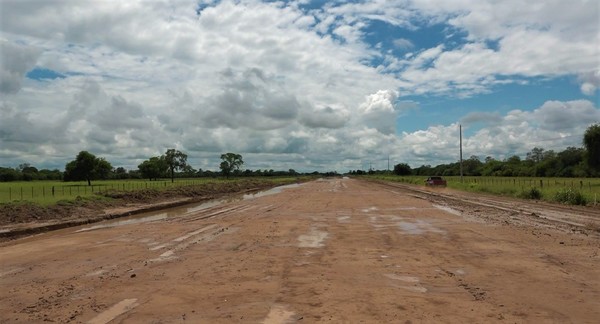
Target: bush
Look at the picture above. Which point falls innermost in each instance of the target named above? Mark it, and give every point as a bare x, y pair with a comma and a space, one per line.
570, 197
533, 193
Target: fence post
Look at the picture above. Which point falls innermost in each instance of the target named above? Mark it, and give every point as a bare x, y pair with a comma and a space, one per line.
52, 191
541, 183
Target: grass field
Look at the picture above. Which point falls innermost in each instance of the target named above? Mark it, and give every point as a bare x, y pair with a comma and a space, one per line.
549, 188
49, 192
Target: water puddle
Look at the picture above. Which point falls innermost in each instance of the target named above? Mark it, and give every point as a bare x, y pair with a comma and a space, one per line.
314, 239
370, 209
165, 256
418, 227
184, 210
413, 288
269, 192
413, 281
124, 222
96, 273
278, 315
402, 278
343, 219
196, 232
448, 210
183, 242
116, 310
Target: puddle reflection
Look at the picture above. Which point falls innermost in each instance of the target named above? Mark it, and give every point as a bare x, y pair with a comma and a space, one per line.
184, 210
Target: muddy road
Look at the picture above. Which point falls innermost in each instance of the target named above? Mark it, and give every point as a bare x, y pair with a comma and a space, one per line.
337, 250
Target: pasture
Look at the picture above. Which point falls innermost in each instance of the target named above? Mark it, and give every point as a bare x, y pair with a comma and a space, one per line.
548, 188
50, 192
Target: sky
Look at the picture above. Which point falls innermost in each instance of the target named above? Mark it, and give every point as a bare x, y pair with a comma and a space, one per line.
304, 85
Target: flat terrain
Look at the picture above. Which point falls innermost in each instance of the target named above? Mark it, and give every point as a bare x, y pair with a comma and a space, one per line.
337, 250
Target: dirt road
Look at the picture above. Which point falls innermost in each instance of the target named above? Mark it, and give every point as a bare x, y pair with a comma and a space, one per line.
338, 250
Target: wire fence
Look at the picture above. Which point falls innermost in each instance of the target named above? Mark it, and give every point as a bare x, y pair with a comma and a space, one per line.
40, 191
541, 183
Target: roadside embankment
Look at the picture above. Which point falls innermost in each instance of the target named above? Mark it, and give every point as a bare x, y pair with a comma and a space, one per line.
24, 218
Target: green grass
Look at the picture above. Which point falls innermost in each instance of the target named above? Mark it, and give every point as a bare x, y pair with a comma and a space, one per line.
550, 189
52, 192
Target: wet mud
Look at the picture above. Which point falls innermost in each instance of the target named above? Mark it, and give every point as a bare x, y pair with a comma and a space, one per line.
333, 250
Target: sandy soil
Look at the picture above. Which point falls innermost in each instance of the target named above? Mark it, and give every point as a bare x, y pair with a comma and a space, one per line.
338, 250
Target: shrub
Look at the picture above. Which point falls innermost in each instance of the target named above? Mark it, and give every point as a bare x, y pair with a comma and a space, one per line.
507, 191
533, 193
570, 196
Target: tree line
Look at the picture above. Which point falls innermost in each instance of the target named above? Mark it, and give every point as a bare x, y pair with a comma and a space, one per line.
538, 163
172, 164
576, 162
572, 162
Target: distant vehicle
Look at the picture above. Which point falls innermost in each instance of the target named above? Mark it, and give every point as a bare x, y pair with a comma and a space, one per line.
435, 181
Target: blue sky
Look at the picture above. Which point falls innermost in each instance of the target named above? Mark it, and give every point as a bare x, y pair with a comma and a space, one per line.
308, 85
501, 99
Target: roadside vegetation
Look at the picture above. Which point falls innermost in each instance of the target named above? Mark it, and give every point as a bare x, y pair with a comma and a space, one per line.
573, 191
90, 205
570, 177
51, 192
91, 178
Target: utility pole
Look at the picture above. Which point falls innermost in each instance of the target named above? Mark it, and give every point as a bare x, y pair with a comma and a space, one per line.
388, 162
461, 158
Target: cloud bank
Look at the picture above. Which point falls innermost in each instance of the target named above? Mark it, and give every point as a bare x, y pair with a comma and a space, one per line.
285, 84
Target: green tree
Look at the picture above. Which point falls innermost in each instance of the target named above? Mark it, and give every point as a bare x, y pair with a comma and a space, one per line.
9, 174
472, 166
153, 168
402, 169
45, 174
87, 166
28, 172
176, 160
231, 163
591, 141
536, 155
120, 173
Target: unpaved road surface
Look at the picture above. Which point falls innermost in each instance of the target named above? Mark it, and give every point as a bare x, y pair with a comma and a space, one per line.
338, 250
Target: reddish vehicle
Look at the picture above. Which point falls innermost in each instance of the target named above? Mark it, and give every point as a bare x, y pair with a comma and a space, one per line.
435, 181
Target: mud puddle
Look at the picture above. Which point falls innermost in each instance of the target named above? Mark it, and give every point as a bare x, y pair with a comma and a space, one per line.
314, 239
269, 192
113, 312
183, 210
